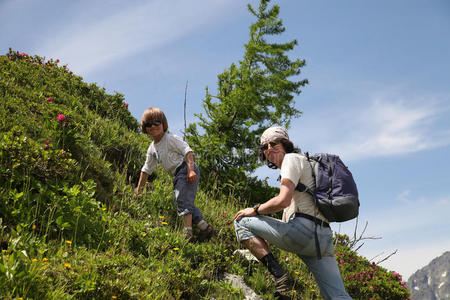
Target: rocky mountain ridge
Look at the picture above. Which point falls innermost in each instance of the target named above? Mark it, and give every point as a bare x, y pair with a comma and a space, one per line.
432, 282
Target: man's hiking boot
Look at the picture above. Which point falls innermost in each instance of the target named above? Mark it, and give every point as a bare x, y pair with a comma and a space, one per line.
206, 234
283, 284
285, 288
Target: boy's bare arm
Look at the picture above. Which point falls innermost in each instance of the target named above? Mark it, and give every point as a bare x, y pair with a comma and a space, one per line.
191, 175
142, 180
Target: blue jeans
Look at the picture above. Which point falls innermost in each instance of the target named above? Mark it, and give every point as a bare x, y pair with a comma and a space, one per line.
185, 194
297, 236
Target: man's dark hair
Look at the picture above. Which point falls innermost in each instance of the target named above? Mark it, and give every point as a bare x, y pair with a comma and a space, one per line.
288, 146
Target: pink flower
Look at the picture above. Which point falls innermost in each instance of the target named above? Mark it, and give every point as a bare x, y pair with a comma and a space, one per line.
47, 142
49, 99
23, 54
224, 215
341, 261
61, 117
57, 60
126, 104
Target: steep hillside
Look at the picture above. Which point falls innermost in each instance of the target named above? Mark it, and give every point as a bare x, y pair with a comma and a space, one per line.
432, 282
71, 227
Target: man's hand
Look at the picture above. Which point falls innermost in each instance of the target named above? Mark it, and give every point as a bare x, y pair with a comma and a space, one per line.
246, 212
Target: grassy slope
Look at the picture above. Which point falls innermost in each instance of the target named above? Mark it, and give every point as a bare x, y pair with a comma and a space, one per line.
71, 227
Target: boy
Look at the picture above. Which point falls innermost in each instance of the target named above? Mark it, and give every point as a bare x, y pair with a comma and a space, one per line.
177, 158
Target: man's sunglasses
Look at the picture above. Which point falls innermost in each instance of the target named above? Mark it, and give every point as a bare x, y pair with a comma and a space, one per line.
150, 124
266, 146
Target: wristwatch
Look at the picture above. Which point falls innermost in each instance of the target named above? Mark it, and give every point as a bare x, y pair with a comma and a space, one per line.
255, 208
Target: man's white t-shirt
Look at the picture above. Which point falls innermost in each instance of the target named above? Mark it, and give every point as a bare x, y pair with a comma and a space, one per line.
296, 167
169, 152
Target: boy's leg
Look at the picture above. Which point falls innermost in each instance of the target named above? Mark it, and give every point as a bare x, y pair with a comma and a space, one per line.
188, 220
185, 194
188, 227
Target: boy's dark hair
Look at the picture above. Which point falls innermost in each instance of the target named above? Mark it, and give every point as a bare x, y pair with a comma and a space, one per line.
288, 146
153, 114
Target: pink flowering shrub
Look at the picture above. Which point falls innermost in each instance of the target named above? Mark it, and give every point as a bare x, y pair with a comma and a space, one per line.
367, 280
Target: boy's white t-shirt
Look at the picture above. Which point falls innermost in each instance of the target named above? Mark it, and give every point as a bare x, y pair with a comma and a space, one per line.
296, 167
169, 152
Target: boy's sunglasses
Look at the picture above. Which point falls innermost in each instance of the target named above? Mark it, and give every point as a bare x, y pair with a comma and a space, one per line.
266, 146
150, 124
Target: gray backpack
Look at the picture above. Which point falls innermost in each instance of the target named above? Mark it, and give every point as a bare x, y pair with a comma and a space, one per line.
335, 192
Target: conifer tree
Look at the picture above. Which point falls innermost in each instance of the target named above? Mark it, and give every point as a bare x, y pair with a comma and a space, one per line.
252, 95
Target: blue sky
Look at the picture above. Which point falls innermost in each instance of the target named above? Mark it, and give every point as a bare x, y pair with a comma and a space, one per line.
378, 95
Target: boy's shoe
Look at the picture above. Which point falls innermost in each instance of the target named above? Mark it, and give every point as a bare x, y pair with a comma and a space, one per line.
189, 236
205, 234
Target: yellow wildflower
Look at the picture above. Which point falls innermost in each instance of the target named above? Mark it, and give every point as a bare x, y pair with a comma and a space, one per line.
114, 297
69, 242
34, 260
67, 265
161, 217
45, 259
176, 249
164, 223
33, 227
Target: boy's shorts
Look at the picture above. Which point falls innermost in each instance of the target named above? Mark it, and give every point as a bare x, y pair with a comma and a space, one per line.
186, 192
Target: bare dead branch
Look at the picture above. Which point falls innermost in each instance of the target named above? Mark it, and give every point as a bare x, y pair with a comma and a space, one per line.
185, 92
387, 257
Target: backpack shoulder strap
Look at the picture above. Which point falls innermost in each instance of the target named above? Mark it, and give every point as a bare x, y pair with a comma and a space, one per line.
300, 186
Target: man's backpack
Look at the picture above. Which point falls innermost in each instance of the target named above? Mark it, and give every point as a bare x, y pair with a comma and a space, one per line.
335, 192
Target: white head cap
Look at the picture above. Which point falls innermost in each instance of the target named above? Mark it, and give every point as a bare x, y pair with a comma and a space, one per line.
273, 133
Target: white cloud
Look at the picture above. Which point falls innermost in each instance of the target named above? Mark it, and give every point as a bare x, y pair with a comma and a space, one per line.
404, 196
136, 28
387, 124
